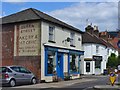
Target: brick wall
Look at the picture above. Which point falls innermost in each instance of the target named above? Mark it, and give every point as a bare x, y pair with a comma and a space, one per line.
7, 44
33, 63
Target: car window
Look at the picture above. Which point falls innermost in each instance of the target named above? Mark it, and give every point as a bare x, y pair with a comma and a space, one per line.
2, 69
24, 70
15, 69
5, 69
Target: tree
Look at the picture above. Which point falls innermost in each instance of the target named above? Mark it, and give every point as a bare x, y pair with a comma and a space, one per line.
113, 60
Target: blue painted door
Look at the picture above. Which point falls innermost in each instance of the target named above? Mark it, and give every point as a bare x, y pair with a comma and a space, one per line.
60, 65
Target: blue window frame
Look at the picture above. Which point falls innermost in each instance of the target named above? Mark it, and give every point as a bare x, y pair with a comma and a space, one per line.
74, 63
50, 62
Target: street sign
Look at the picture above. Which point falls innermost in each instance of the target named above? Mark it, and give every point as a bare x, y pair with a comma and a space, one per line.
118, 67
118, 44
112, 78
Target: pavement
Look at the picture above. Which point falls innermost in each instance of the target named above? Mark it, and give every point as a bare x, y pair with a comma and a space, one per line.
107, 87
60, 84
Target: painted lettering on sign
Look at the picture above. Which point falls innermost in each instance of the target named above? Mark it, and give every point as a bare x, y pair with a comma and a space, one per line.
28, 39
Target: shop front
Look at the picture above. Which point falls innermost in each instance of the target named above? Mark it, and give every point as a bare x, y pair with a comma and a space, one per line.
62, 62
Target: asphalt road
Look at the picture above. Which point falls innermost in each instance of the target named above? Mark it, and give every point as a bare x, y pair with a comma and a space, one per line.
100, 80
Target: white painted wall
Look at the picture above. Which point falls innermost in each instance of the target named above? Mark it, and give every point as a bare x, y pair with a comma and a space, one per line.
61, 35
90, 50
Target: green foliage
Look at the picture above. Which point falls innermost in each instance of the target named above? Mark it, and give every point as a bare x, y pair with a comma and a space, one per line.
113, 61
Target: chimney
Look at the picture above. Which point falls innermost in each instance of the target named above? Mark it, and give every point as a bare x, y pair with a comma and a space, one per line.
104, 35
89, 29
96, 31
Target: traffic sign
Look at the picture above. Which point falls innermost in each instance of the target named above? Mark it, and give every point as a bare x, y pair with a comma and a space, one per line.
112, 78
118, 67
118, 44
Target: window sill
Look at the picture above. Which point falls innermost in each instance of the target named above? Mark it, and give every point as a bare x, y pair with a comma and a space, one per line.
72, 45
51, 41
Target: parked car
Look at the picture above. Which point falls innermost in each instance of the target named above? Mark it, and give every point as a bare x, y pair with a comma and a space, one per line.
13, 75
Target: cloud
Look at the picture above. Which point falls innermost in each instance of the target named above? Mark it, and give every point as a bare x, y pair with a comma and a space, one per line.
60, 0
105, 15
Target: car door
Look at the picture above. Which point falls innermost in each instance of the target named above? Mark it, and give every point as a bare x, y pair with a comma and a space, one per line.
16, 74
26, 75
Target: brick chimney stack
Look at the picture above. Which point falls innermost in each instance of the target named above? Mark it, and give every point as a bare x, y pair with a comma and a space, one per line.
104, 35
96, 31
89, 29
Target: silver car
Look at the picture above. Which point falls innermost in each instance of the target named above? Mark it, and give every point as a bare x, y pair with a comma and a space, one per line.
13, 75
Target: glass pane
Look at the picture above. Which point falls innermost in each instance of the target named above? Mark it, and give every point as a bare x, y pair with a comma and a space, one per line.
15, 69
74, 63
51, 62
51, 37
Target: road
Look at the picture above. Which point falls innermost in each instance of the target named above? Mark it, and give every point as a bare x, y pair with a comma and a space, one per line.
86, 83
100, 80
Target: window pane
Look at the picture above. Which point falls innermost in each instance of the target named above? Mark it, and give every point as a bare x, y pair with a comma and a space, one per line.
51, 33
51, 62
51, 37
72, 37
74, 67
15, 69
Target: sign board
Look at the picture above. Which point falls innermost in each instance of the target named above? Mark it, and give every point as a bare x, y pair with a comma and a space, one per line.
118, 67
62, 50
27, 39
118, 44
99, 58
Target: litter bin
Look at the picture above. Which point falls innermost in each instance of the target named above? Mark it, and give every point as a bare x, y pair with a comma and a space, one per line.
105, 72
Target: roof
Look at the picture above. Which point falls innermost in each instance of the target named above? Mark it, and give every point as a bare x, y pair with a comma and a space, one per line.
89, 38
33, 14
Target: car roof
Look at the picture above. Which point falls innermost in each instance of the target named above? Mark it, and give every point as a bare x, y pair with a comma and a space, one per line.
13, 66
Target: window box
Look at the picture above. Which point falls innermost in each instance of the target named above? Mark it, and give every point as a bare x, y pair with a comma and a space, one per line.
66, 78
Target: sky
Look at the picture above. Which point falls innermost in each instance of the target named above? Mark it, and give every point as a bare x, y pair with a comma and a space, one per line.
78, 14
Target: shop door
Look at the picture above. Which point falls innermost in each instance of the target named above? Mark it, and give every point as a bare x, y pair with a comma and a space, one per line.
60, 65
87, 66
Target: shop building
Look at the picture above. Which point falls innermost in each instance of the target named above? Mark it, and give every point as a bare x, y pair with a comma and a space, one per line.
43, 44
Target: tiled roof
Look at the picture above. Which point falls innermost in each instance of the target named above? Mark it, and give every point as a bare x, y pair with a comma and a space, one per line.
33, 14
89, 38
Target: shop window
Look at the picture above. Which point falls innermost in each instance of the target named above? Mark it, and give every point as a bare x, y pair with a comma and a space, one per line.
97, 64
51, 33
51, 65
74, 64
72, 39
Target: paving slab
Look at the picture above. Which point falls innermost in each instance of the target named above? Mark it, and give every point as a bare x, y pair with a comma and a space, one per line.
106, 87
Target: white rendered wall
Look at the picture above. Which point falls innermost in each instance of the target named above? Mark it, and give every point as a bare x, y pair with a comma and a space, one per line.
60, 37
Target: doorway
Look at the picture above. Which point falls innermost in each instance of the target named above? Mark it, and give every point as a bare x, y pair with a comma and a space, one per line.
60, 65
87, 66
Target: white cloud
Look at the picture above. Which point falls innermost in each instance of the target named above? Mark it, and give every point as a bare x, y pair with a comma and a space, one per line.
104, 15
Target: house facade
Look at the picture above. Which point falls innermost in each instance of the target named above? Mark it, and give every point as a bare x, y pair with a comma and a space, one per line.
43, 44
97, 50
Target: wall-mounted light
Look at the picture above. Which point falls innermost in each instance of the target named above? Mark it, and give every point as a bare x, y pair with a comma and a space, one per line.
68, 40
